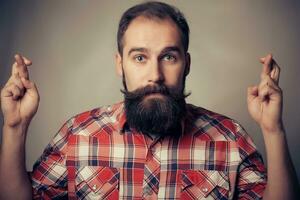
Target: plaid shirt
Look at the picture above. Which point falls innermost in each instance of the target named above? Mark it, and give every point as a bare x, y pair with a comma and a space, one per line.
95, 155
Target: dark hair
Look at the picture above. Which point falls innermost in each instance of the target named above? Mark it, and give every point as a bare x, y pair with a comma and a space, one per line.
150, 10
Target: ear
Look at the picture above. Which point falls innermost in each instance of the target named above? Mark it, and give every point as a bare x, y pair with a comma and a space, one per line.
118, 59
188, 64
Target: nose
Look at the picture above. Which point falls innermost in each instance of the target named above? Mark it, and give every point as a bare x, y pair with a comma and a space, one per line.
156, 75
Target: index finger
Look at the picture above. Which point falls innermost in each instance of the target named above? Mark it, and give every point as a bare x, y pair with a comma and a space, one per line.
20, 66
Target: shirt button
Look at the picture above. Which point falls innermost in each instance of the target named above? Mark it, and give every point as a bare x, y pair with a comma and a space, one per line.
94, 187
204, 190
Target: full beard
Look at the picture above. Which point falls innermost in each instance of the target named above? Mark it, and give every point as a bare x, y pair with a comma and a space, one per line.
155, 110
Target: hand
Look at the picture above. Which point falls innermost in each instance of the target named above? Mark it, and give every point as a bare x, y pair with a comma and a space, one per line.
19, 97
265, 100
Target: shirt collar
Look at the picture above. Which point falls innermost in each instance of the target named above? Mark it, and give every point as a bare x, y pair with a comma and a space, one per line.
117, 112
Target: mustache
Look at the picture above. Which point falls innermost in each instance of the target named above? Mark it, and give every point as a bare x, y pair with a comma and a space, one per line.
154, 89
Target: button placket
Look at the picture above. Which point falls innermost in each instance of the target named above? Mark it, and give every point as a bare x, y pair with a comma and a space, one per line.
151, 182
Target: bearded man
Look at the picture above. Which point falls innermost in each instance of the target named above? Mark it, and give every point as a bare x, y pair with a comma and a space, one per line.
153, 145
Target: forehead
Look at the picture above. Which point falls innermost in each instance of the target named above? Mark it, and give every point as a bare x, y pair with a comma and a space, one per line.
154, 34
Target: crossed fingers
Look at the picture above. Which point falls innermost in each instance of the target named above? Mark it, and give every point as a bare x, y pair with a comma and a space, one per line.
20, 66
268, 86
16, 83
270, 68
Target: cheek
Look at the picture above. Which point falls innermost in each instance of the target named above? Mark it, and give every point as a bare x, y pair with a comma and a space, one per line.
174, 77
134, 78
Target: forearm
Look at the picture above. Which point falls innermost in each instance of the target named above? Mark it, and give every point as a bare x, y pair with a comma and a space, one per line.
15, 183
282, 179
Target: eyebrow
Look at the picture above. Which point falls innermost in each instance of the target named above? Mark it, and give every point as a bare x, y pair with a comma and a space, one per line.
171, 48
138, 49
165, 50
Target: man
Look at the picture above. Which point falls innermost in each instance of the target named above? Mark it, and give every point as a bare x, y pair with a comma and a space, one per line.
153, 145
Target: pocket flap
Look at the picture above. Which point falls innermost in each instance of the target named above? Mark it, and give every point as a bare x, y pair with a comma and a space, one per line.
204, 180
99, 178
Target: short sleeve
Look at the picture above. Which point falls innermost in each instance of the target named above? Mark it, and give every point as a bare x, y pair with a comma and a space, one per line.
252, 176
49, 175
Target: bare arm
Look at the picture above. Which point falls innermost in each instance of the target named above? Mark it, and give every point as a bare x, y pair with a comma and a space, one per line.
15, 183
19, 103
265, 107
282, 178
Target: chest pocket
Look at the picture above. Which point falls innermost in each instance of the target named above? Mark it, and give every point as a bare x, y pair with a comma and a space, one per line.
204, 184
96, 182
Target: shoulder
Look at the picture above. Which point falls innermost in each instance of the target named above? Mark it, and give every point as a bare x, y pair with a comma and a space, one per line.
93, 120
219, 129
215, 126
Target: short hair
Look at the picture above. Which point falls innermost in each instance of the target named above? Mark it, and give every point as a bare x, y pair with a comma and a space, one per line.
152, 10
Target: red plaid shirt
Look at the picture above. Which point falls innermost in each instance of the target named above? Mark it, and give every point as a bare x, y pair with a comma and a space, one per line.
95, 155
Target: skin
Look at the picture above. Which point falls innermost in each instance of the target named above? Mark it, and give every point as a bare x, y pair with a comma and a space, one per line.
265, 103
145, 60
148, 59
19, 103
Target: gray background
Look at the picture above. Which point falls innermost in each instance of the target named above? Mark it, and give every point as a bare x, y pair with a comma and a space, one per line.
72, 46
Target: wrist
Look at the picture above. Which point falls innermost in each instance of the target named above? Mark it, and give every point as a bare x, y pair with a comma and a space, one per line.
273, 136
275, 129
15, 131
16, 123
13, 139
